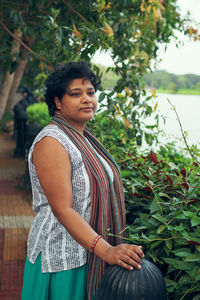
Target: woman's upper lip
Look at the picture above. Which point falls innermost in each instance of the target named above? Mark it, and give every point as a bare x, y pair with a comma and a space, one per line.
88, 107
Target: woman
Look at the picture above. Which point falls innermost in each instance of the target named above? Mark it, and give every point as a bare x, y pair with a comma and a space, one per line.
77, 195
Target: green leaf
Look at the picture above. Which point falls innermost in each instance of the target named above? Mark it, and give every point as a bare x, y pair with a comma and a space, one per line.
133, 188
154, 206
195, 221
145, 237
161, 228
155, 244
193, 257
101, 97
184, 280
165, 195
178, 180
189, 214
179, 265
126, 173
170, 282
178, 228
169, 244
159, 218
184, 252
179, 215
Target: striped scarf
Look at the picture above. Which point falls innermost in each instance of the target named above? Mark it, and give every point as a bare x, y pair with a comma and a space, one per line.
107, 198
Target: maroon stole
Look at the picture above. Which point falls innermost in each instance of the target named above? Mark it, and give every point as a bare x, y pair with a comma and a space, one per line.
107, 198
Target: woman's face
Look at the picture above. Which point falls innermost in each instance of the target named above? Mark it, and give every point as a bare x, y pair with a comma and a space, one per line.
79, 103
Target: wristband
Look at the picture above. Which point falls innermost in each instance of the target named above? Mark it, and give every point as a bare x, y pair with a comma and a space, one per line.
94, 243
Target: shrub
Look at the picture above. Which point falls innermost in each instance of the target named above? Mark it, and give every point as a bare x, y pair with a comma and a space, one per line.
38, 112
163, 214
162, 194
4, 127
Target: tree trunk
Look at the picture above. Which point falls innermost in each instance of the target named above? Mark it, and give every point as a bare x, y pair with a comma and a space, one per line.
5, 90
16, 81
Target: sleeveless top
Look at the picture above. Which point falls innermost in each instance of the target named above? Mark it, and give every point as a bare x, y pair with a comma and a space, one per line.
59, 251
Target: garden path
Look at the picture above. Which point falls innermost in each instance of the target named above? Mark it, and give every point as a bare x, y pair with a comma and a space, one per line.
15, 219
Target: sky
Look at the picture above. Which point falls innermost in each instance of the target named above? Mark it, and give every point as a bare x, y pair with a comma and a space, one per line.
182, 60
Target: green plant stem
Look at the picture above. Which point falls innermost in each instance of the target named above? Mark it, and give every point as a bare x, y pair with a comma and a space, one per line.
178, 275
142, 240
181, 127
190, 290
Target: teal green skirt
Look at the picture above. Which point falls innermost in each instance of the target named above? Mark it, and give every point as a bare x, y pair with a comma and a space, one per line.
64, 285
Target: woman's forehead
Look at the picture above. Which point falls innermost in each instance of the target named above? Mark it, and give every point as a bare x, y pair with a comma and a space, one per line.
80, 83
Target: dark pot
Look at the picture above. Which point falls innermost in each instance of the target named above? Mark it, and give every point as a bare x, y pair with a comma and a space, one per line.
121, 284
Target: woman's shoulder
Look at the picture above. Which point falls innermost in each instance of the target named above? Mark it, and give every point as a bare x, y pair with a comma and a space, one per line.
52, 131
55, 132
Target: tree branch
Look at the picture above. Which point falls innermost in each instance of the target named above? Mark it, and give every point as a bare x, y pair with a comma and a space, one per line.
25, 46
76, 12
17, 39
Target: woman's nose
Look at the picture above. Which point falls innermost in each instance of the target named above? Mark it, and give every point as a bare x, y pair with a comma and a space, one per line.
86, 98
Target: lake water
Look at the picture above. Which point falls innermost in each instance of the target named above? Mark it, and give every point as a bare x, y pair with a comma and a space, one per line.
188, 109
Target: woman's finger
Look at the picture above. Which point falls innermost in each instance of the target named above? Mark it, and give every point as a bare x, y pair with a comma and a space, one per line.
129, 263
134, 256
136, 249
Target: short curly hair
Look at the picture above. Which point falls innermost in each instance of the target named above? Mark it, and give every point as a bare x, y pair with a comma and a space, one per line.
58, 81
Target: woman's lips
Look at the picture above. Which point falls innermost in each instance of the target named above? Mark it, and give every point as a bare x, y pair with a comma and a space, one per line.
87, 109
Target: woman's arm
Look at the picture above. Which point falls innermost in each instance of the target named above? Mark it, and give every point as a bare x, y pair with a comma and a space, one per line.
53, 167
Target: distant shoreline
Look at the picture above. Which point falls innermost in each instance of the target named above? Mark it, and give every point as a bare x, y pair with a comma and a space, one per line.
179, 92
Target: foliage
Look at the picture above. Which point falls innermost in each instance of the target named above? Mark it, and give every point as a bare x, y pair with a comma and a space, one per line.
109, 78
38, 112
8, 116
163, 214
179, 157
173, 87
162, 193
63, 31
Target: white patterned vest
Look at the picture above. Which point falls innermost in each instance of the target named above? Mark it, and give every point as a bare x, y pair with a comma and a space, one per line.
47, 235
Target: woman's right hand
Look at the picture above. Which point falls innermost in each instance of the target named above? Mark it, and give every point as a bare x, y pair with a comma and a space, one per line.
125, 255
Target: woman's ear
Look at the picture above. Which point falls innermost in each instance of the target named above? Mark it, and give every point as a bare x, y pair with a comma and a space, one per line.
57, 103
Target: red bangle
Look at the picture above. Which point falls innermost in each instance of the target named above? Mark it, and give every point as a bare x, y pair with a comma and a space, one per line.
94, 243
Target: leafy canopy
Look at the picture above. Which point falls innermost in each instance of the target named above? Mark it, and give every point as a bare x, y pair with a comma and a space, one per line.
62, 31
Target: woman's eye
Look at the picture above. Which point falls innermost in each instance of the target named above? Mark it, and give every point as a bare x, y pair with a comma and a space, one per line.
91, 93
79, 94
75, 94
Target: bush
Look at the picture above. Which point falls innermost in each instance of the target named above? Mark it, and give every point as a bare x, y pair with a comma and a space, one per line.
162, 194
38, 112
8, 116
163, 214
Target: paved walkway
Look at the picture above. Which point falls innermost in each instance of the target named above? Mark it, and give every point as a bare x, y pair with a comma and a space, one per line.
15, 218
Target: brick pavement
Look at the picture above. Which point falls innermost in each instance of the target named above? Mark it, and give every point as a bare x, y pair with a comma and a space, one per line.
15, 218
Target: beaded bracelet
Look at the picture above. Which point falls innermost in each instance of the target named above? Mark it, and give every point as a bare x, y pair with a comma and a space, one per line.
94, 243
